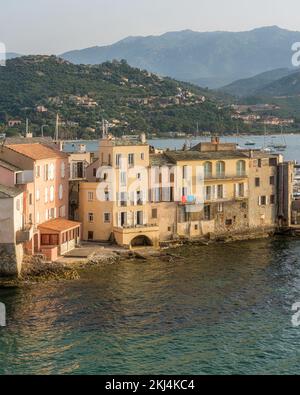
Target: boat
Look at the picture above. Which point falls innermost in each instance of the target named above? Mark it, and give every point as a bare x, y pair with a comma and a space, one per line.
249, 142
280, 146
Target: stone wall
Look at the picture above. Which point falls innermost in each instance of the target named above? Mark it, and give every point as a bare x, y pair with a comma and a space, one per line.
11, 258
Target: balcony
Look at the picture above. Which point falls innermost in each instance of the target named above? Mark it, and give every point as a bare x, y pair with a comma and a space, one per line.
24, 235
225, 177
24, 177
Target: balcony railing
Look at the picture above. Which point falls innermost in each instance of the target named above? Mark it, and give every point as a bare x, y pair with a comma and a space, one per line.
225, 176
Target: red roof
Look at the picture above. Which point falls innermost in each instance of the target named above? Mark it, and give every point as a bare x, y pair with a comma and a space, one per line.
37, 151
59, 225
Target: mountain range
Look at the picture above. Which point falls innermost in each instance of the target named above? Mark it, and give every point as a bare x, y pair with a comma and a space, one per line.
208, 59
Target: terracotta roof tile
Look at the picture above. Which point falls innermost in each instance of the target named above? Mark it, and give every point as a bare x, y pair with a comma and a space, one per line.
37, 151
59, 225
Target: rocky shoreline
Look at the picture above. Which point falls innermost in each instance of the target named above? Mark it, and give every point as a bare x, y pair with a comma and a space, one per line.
34, 270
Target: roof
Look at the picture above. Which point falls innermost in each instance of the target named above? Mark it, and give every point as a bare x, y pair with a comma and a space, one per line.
23, 140
177, 156
9, 192
37, 151
159, 160
59, 225
9, 166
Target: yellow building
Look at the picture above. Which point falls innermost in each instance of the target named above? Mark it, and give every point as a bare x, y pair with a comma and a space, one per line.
211, 190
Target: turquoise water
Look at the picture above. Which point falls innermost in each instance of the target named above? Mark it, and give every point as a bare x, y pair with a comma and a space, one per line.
223, 309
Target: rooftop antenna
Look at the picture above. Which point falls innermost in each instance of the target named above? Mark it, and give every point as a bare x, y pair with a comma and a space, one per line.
57, 127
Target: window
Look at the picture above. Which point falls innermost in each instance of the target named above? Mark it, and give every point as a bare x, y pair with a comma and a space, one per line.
30, 218
257, 182
18, 206
228, 222
60, 192
208, 193
51, 172
107, 218
106, 196
95, 172
207, 213
196, 227
262, 200
273, 162
90, 196
51, 193
207, 170
241, 190
154, 213
220, 192
241, 168
185, 172
142, 156
38, 171
51, 240
272, 199
91, 217
37, 195
272, 180
51, 213
259, 163
118, 160
220, 169
46, 195
220, 207
62, 211
62, 170
140, 218
90, 236
123, 176
37, 218
46, 172
131, 159
30, 199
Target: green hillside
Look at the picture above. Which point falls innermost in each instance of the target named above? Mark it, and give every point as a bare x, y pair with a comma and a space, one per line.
250, 86
132, 99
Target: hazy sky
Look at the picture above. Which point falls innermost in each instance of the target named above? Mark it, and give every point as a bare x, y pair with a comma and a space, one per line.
55, 26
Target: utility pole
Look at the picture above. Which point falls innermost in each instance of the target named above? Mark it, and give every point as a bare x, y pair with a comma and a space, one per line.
42, 130
57, 128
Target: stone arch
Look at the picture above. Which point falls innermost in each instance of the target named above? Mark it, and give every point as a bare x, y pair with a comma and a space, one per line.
141, 241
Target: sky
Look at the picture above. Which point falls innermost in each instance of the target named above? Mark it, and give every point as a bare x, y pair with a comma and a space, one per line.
56, 26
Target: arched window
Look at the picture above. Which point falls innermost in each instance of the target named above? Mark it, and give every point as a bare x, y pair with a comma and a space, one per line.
207, 169
220, 169
241, 168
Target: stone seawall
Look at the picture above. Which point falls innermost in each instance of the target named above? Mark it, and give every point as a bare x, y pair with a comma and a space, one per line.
11, 257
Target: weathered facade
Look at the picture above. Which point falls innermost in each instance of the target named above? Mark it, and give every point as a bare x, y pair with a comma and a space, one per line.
213, 190
11, 230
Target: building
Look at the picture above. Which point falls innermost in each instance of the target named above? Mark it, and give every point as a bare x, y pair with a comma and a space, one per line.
12, 230
14, 122
42, 174
212, 190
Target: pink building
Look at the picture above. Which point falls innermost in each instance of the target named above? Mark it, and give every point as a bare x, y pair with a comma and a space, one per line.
42, 173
